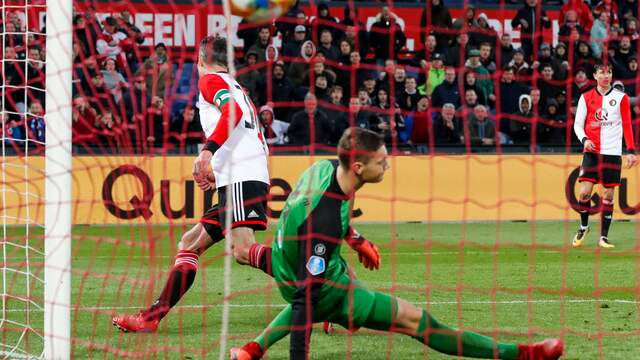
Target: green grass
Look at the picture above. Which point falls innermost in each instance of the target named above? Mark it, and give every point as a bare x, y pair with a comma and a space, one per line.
519, 280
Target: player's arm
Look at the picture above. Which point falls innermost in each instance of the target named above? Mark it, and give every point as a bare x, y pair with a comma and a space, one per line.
215, 91
578, 125
627, 130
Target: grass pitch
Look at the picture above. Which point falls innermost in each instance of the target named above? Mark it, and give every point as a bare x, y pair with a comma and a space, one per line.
518, 281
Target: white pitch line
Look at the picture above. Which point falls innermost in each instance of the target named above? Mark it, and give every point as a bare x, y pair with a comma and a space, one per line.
446, 302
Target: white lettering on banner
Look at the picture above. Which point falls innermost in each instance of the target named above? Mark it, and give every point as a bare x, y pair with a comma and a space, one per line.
144, 22
216, 25
184, 30
162, 28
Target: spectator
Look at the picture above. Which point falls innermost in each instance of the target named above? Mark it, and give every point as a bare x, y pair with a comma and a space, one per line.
485, 83
454, 56
546, 84
552, 130
483, 32
398, 82
36, 76
84, 121
250, 76
323, 22
135, 37
510, 92
155, 126
531, 21
350, 78
370, 86
631, 30
481, 128
187, 130
520, 124
108, 132
359, 113
521, 67
319, 68
114, 81
345, 53
14, 77
486, 59
13, 131
336, 112
582, 11
35, 123
260, 46
292, 47
436, 23
108, 43
363, 97
470, 102
300, 128
584, 58
446, 126
135, 100
629, 76
298, 68
600, 34
435, 75
505, 52
385, 34
321, 88
274, 130
467, 22
158, 71
628, 9
470, 82
545, 57
282, 92
85, 34
447, 92
535, 94
389, 119
409, 96
271, 54
608, 7
356, 31
561, 57
623, 54
422, 133
422, 56
101, 97
571, 30
326, 46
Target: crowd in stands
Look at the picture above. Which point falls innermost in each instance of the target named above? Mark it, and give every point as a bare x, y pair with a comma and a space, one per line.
464, 85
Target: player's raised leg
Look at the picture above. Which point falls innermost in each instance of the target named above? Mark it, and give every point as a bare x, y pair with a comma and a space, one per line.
181, 276
584, 200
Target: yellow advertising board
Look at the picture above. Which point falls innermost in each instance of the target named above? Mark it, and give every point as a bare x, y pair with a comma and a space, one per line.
159, 190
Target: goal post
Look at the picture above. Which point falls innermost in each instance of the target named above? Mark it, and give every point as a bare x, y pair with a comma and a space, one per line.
57, 274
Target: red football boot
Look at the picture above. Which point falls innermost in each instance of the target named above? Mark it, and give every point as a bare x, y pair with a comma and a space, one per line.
135, 323
250, 351
549, 349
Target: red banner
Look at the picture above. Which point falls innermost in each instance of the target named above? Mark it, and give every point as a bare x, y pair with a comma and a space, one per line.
182, 25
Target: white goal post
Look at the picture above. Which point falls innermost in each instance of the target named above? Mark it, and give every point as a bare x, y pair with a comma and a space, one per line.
57, 274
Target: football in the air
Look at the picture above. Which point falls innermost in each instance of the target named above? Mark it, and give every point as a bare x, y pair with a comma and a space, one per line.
260, 10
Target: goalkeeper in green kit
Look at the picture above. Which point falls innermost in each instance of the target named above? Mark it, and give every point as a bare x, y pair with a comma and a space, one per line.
314, 278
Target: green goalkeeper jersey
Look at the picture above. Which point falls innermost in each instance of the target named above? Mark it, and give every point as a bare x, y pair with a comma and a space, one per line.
313, 223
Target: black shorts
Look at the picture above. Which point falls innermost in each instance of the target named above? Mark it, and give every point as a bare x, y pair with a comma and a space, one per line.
248, 208
601, 169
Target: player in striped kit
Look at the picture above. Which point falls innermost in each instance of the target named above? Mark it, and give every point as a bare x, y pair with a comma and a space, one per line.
603, 118
237, 154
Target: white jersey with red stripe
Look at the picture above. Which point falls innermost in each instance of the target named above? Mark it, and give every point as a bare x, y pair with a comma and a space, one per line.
241, 153
605, 119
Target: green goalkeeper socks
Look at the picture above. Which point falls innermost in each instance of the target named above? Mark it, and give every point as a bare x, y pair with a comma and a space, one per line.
279, 327
454, 342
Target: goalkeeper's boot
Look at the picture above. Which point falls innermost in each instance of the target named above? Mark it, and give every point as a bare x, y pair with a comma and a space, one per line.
136, 323
604, 243
581, 234
250, 351
549, 349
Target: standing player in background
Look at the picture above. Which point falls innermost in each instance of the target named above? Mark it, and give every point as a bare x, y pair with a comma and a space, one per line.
239, 161
603, 117
314, 278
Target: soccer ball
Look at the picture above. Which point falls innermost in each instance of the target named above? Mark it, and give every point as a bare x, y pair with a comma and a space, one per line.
260, 10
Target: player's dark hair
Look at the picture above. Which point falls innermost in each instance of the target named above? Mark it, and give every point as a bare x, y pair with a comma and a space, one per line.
357, 144
213, 50
600, 65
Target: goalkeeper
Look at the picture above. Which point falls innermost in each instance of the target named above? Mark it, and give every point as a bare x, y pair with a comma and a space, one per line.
314, 279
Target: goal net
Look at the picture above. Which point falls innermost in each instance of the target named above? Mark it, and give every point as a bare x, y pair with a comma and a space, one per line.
474, 220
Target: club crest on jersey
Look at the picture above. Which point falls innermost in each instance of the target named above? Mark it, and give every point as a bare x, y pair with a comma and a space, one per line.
316, 265
319, 249
613, 102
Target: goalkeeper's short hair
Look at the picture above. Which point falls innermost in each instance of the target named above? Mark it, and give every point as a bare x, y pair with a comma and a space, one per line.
357, 144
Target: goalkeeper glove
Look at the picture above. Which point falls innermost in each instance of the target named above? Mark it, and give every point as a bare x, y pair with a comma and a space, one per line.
368, 253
